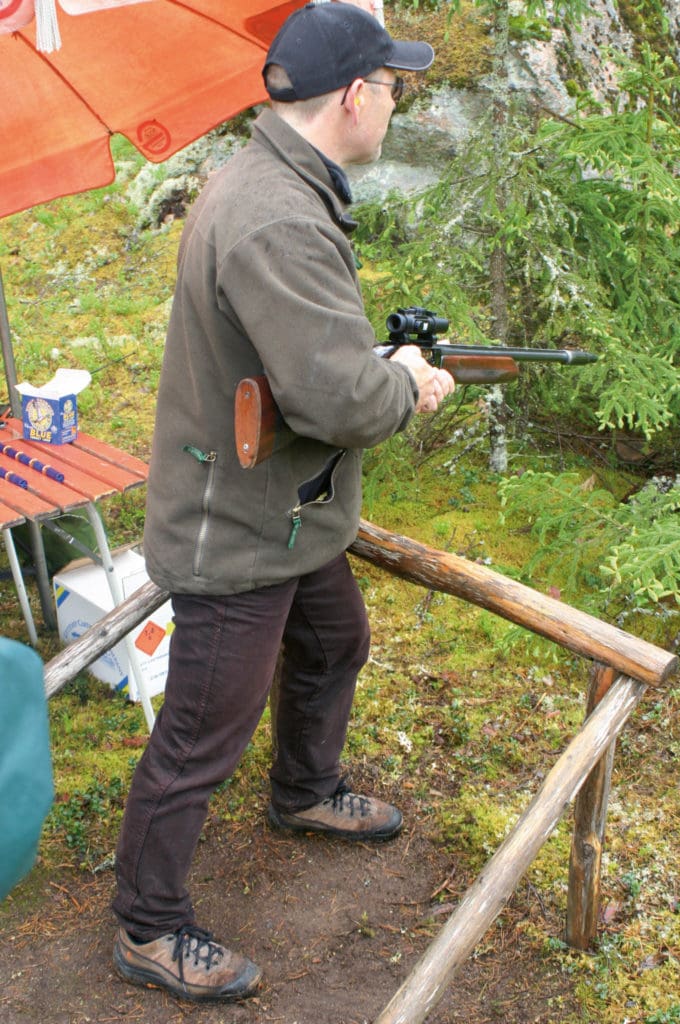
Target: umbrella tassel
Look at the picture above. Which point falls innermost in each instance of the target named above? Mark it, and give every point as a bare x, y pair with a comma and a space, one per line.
47, 27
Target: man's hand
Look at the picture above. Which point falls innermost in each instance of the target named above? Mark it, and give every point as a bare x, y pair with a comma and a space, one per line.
433, 384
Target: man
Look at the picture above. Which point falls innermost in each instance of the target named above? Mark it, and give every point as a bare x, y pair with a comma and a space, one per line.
255, 561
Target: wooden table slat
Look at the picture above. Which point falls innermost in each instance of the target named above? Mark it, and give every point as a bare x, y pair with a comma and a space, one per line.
75, 479
25, 502
62, 496
104, 469
9, 517
114, 455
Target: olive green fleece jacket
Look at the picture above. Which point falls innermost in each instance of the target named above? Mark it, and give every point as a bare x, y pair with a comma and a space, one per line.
266, 281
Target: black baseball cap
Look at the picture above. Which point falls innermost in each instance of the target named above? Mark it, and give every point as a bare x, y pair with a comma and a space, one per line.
325, 46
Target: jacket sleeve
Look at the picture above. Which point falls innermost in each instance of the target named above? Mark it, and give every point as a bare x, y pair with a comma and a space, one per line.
293, 287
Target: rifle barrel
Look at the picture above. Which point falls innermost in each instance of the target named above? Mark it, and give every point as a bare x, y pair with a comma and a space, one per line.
575, 356
521, 355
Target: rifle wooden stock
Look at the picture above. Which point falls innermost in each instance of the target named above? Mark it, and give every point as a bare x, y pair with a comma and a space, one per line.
259, 427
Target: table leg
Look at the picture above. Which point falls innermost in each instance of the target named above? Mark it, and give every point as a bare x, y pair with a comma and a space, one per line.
118, 597
42, 575
18, 577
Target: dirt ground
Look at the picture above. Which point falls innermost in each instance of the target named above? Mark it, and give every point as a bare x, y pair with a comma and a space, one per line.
336, 927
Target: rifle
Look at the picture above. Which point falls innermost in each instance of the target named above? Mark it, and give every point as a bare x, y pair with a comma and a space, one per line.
260, 430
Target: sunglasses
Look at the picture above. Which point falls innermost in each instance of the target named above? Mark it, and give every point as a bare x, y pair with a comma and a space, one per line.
396, 88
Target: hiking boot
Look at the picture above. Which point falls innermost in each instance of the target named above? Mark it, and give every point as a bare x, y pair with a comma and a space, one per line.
344, 814
187, 963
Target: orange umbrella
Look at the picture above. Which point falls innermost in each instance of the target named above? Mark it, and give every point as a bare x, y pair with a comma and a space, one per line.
161, 72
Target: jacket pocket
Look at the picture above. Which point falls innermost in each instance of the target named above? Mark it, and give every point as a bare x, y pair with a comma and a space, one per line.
209, 460
318, 490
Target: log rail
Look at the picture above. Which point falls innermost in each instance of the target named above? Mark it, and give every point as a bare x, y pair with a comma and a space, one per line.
578, 632
622, 667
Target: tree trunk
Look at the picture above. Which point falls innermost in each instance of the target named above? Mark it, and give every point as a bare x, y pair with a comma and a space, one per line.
498, 294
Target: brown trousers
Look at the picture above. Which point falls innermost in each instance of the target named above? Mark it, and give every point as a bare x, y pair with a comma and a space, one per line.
223, 654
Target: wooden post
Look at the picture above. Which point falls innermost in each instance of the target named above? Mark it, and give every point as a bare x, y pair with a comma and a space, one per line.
487, 896
590, 817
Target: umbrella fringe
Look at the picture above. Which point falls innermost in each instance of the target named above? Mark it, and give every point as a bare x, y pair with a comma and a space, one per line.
47, 26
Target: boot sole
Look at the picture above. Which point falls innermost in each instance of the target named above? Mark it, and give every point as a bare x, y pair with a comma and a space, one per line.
140, 976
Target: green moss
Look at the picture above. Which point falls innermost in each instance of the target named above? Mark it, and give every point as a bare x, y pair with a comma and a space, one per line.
475, 821
647, 23
460, 41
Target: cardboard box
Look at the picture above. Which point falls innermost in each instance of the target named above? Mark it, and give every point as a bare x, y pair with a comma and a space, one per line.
51, 420
82, 597
50, 412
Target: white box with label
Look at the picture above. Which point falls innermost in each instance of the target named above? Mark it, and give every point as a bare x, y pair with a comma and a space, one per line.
82, 598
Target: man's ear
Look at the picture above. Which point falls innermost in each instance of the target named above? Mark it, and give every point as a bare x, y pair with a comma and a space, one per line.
354, 98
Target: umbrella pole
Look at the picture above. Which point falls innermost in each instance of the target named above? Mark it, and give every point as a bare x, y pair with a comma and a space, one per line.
8, 356
42, 573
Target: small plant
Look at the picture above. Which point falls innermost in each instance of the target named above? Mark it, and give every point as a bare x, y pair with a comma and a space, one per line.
669, 1016
365, 928
388, 471
79, 817
626, 554
632, 884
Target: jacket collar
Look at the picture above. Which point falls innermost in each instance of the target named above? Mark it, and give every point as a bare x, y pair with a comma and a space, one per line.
274, 133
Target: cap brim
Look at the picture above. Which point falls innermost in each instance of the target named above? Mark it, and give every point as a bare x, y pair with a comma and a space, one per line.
410, 56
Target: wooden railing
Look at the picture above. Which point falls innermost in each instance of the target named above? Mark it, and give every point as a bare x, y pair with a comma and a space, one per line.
622, 667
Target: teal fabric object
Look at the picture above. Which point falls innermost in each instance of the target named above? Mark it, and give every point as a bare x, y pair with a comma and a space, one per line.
26, 788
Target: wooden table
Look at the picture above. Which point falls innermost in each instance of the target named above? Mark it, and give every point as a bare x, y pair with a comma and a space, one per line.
91, 470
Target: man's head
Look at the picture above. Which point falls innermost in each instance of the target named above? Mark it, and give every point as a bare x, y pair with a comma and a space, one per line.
330, 72
324, 47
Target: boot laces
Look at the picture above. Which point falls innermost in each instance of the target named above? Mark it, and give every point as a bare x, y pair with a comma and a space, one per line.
191, 941
344, 796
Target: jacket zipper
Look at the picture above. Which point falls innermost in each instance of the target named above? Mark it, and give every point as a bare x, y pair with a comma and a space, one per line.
297, 523
210, 458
